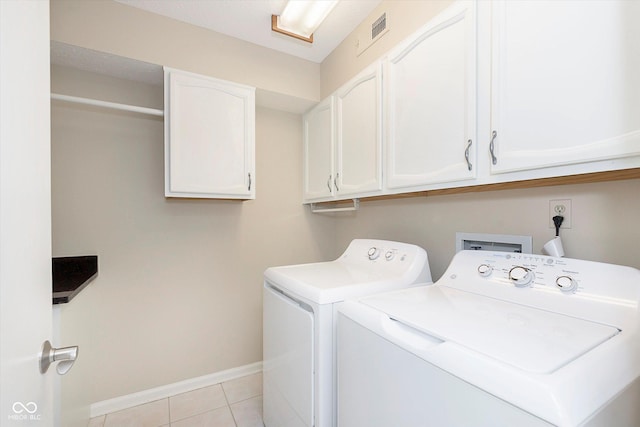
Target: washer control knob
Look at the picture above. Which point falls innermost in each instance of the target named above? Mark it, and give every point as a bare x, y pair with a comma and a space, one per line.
389, 255
566, 284
485, 270
521, 276
373, 253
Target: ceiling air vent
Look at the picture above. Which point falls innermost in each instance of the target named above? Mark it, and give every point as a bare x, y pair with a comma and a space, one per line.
374, 31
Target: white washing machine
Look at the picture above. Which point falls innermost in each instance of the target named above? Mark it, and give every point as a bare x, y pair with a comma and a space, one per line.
500, 340
300, 307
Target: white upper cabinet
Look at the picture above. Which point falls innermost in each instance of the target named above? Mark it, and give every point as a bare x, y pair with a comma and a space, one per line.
343, 141
430, 88
318, 131
209, 137
486, 92
565, 85
359, 135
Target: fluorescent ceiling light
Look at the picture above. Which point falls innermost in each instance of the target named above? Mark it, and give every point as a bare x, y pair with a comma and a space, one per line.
301, 18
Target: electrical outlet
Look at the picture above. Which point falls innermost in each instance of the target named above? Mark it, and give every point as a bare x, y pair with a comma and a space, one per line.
560, 207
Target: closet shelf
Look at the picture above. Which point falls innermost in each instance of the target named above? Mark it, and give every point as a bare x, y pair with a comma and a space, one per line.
107, 104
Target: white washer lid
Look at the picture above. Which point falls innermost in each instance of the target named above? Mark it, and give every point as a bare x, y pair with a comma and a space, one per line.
528, 338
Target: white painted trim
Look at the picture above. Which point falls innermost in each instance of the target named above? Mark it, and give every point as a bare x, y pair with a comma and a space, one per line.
134, 399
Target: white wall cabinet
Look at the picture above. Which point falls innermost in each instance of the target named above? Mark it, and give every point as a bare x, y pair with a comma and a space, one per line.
489, 92
430, 103
318, 154
343, 141
209, 137
359, 135
565, 85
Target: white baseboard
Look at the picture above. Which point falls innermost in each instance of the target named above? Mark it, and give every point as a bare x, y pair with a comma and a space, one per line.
162, 392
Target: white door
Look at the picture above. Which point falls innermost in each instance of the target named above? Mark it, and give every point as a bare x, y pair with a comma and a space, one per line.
358, 134
25, 213
318, 130
431, 102
565, 83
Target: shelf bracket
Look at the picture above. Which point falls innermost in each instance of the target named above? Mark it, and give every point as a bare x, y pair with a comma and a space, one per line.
316, 209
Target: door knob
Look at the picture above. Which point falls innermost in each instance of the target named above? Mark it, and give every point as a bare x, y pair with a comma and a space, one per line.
65, 357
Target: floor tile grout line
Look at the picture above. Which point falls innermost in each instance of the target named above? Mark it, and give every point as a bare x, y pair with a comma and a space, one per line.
245, 399
199, 413
235, 422
168, 403
203, 411
168, 410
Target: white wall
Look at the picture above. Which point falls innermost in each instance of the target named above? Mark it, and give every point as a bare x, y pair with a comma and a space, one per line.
108, 26
604, 215
403, 18
179, 288
603, 222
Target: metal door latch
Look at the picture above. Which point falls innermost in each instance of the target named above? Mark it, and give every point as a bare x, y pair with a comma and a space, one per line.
66, 356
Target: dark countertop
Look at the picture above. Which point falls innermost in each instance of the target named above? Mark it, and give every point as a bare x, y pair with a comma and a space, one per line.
71, 275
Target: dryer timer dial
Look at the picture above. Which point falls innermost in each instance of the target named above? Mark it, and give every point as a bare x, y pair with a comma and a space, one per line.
373, 253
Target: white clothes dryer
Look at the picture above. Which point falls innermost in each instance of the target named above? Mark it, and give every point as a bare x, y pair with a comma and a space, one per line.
501, 340
300, 306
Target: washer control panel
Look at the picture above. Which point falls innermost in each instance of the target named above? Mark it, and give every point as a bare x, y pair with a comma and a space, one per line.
602, 292
568, 277
525, 270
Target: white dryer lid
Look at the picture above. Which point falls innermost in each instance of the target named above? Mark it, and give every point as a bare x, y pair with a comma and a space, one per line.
530, 339
366, 267
333, 281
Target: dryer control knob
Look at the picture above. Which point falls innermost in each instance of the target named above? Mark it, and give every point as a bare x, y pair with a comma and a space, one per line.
373, 253
485, 270
389, 255
566, 284
521, 276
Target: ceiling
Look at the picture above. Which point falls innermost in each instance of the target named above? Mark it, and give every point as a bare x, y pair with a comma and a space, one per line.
250, 20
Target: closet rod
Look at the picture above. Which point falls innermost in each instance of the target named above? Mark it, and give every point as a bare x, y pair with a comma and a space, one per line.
107, 104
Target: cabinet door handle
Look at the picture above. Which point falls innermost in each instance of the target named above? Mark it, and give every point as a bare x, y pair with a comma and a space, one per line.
335, 181
466, 154
249, 187
329, 183
494, 159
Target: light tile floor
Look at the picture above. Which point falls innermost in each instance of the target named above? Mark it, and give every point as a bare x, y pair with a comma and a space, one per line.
235, 403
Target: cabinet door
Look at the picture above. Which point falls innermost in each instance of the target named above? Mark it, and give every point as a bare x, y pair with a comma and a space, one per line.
358, 135
431, 102
209, 137
565, 83
318, 154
